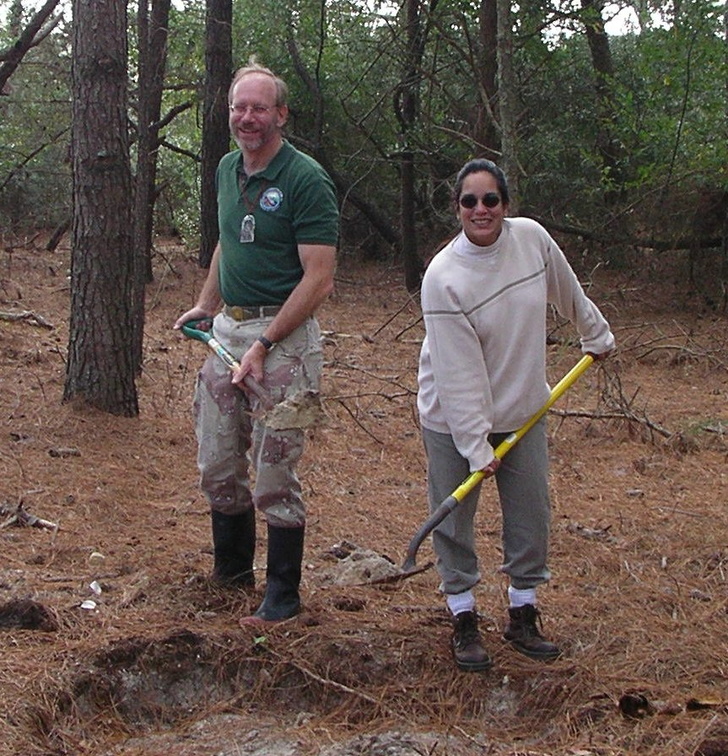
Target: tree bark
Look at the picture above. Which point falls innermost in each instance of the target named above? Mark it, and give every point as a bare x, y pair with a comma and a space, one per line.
507, 109
407, 111
487, 132
100, 367
215, 129
152, 34
608, 145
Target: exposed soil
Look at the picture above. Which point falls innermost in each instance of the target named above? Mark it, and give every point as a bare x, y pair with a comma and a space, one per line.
158, 664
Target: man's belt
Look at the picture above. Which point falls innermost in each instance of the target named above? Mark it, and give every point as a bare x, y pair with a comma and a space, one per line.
236, 312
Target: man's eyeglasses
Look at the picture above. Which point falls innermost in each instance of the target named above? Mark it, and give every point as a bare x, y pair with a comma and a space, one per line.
469, 201
256, 110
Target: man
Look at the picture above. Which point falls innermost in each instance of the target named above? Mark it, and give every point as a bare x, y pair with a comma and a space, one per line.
273, 266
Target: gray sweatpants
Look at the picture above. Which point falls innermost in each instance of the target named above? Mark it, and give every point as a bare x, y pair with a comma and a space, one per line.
522, 483
231, 440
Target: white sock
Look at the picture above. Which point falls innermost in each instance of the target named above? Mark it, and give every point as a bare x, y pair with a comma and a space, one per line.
460, 602
521, 596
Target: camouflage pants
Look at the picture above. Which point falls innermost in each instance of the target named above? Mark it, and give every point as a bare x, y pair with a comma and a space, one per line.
231, 440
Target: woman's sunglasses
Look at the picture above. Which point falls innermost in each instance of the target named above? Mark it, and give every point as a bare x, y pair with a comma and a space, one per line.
469, 201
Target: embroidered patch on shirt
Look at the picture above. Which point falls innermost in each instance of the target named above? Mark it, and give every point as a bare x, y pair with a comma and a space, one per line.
271, 199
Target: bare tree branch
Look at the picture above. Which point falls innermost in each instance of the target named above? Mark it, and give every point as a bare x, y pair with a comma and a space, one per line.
171, 115
179, 150
32, 317
660, 245
30, 156
32, 35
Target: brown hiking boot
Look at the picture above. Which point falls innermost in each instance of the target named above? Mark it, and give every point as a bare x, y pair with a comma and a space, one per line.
467, 645
523, 634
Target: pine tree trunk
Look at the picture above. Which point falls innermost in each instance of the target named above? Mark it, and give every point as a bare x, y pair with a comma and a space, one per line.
487, 132
608, 145
507, 102
152, 33
215, 129
100, 368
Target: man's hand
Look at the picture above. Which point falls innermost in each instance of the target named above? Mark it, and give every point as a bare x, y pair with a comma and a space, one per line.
196, 313
251, 363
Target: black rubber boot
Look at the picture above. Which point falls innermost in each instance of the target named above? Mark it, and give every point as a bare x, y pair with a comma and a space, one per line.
233, 539
283, 575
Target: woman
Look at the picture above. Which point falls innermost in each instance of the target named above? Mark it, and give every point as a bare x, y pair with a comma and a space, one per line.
482, 374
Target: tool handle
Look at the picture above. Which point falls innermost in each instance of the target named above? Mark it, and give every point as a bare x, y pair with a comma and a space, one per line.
512, 439
192, 330
556, 393
428, 526
452, 501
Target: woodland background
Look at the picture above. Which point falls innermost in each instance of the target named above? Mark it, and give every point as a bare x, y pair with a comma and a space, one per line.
112, 116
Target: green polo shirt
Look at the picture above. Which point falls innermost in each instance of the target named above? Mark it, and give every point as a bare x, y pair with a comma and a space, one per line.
292, 202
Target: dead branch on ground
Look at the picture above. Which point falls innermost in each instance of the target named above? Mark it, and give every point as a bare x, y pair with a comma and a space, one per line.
32, 317
393, 380
680, 352
358, 422
683, 242
615, 400
410, 300
620, 407
327, 682
624, 415
18, 516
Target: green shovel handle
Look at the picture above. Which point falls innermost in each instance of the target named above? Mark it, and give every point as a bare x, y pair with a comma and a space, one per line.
193, 330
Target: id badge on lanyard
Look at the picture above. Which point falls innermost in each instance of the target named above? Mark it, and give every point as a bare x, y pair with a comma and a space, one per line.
247, 229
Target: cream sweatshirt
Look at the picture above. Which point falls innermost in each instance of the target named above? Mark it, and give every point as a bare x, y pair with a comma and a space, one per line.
483, 361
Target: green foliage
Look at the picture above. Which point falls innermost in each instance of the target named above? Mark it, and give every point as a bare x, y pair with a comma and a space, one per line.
669, 91
34, 134
669, 99
178, 206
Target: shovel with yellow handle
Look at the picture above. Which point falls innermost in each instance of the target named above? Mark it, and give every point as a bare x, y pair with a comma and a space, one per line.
456, 497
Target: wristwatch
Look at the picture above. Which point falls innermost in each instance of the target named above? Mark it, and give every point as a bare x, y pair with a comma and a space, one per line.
266, 343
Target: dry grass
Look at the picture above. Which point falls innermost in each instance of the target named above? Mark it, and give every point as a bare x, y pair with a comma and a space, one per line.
639, 551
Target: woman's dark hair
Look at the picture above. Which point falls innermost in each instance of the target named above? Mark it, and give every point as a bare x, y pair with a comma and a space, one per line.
478, 165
